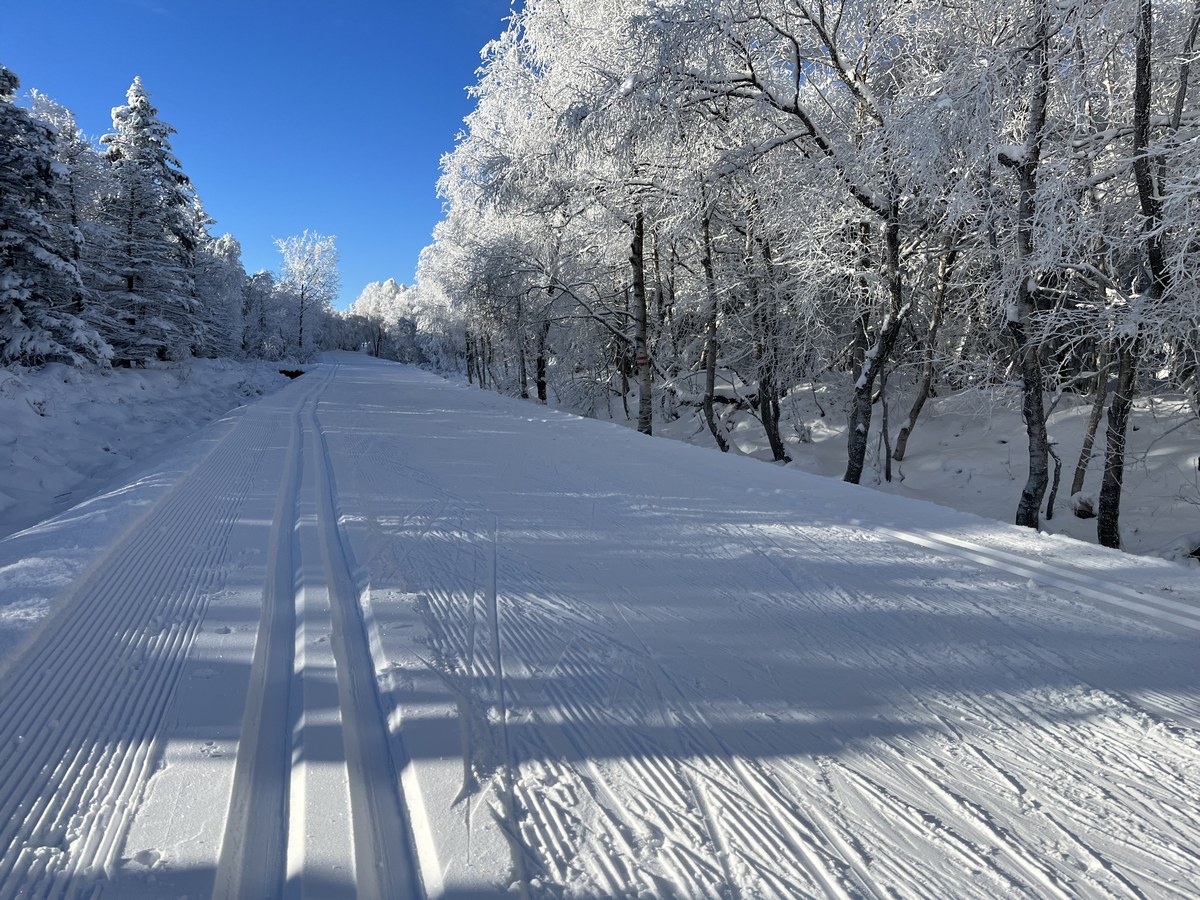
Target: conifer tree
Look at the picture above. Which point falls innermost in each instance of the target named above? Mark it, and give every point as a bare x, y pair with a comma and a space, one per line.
155, 237
41, 293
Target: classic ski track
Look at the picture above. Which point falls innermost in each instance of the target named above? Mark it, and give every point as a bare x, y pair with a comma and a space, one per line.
257, 847
254, 846
110, 664
386, 862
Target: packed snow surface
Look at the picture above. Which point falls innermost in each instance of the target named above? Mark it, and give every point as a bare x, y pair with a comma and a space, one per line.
384, 634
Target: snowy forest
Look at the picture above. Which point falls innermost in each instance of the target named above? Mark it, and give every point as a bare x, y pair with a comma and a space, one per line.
694, 206
106, 257
710, 217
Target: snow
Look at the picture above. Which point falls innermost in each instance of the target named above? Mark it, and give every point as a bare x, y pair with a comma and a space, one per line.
969, 452
67, 432
381, 632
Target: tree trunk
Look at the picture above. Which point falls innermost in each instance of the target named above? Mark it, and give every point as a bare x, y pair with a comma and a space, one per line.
1129, 345
1108, 518
1026, 354
710, 338
862, 322
541, 362
1033, 410
1099, 394
641, 348
300, 335
875, 358
945, 266
523, 363
768, 408
765, 327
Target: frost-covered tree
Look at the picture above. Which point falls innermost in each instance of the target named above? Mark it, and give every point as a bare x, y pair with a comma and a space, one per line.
386, 324
41, 292
220, 292
150, 288
310, 276
900, 199
262, 330
84, 184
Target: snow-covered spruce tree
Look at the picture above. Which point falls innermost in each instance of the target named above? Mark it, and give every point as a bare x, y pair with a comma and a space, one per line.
83, 186
262, 326
42, 302
150, 283
220, 287
310, 276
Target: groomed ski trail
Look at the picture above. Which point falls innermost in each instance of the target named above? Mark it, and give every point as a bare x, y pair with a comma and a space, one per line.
394, 637
314, 808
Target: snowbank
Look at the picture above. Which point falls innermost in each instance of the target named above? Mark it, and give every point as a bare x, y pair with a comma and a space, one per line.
65, 433
969, 452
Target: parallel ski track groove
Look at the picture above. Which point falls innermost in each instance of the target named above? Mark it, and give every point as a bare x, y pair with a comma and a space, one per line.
386, 862
254, 846
114, 692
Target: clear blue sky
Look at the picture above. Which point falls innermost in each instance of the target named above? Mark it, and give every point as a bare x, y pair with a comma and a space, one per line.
291, 114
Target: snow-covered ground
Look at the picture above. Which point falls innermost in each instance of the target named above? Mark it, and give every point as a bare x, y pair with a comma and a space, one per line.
969, 451
384, 633
65, 432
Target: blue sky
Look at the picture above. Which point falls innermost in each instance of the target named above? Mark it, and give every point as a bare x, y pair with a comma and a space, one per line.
291, 114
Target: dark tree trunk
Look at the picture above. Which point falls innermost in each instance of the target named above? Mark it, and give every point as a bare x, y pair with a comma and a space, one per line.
710, 338
764, 317
1108, 518
300, 335
1099, 394
768, 408
541, 363
641, 348
1128, 347
524, 367
1034, 412
862, 323
1027, 356
876, 358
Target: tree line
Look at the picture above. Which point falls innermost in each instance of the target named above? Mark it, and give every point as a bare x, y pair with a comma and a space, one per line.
656, 199
106, 256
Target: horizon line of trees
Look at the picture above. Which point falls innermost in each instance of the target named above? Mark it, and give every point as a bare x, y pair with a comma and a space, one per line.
106, 255
653, 196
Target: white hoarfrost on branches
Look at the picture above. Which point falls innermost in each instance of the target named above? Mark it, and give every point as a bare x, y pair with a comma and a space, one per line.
310, 275
691, 208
